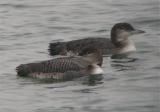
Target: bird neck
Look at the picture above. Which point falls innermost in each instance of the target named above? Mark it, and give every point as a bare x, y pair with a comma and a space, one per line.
94, 69
94, 58
125, 47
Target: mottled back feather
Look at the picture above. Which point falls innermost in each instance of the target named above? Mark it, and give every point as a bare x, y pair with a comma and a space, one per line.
76, 46
59, 65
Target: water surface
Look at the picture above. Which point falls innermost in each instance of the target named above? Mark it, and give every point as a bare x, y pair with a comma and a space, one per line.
128, 85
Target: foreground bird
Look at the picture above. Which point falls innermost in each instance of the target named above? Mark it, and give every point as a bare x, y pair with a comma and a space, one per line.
64, 68
118, 44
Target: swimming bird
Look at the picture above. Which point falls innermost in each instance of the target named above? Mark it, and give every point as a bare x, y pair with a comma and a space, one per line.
119, 42
64, 68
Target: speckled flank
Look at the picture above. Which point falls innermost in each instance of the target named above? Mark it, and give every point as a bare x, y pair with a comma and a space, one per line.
64, 68
58, 76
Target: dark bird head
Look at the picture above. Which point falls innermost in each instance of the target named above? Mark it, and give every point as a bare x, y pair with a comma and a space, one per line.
92, 54
120, 33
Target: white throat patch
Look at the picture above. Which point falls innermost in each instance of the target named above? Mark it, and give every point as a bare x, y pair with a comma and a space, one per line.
130, 47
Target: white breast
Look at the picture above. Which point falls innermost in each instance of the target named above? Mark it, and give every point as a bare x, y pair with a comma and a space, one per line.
130, 47
96, 70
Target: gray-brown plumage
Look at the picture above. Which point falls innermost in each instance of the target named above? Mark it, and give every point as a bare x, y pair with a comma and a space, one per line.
118, 44
64, 68
76, 46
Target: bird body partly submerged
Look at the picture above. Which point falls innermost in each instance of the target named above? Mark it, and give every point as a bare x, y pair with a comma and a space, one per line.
61, 69
119, 42
75, 46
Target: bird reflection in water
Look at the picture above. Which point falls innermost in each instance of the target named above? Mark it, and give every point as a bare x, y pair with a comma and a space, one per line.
122, 62
92, 80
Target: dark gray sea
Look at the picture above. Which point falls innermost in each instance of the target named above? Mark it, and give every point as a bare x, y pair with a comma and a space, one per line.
128, 85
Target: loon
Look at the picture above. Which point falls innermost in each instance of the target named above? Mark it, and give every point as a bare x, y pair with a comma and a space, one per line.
119, 43
64, 68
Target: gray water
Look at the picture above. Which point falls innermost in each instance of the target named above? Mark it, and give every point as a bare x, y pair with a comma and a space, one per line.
128, 85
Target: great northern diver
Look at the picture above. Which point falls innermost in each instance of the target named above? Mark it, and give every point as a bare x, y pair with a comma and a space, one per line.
64, 68
118, 44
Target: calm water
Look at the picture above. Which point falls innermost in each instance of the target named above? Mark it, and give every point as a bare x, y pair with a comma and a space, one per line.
128, 85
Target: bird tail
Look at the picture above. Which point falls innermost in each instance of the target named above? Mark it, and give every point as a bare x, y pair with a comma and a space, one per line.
22, 70
26, 69
57, 48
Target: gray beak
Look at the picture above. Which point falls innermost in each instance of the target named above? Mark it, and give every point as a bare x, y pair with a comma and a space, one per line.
136, 31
